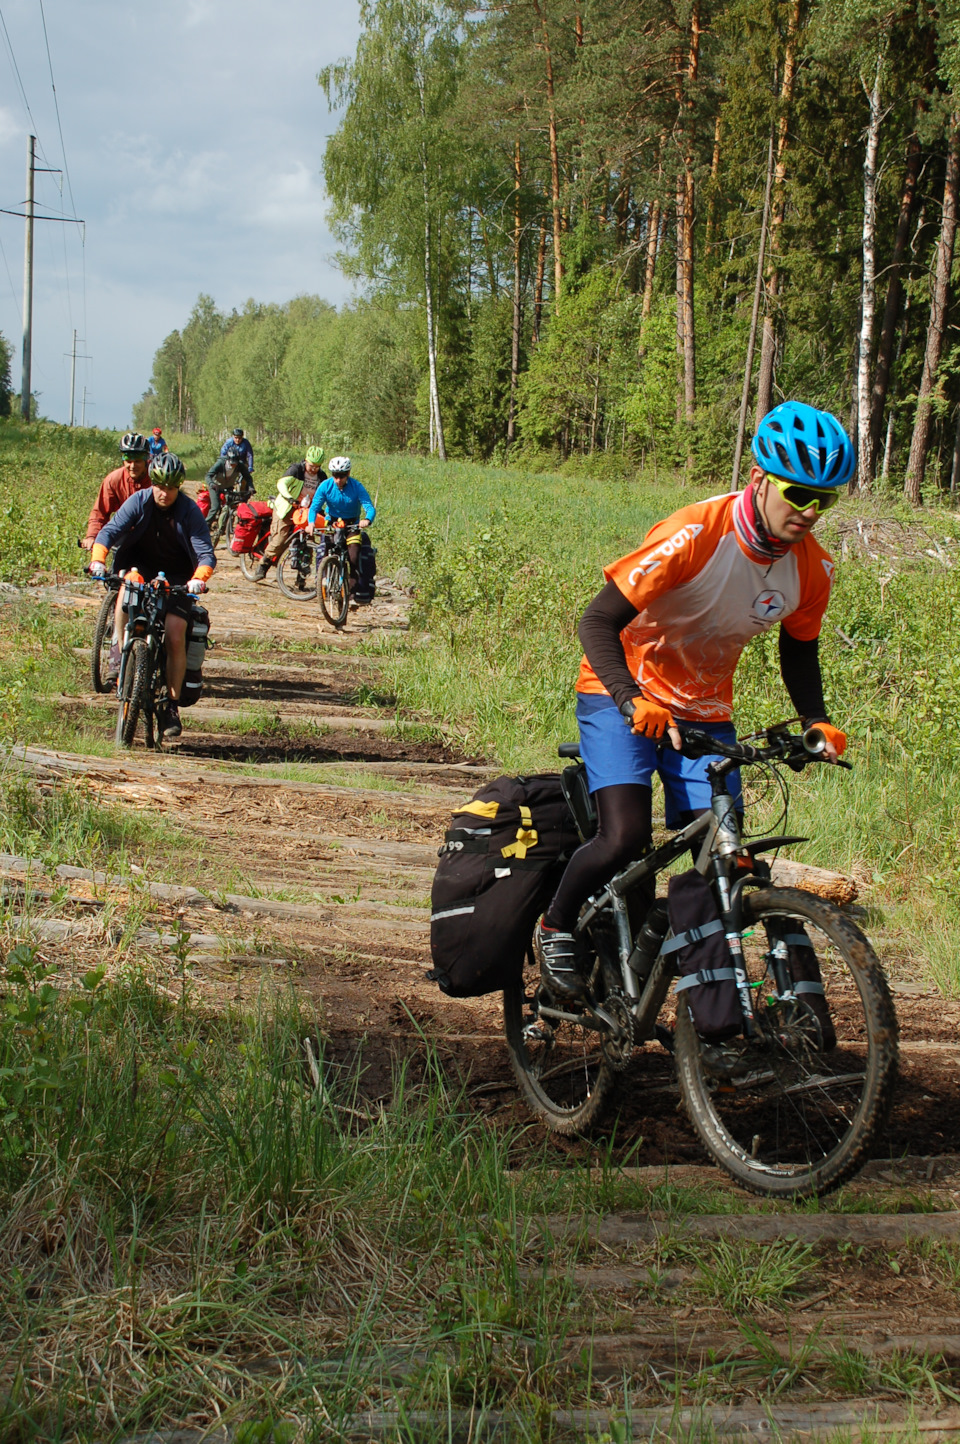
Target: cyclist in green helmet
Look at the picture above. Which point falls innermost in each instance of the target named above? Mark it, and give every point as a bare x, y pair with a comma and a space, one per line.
294, 489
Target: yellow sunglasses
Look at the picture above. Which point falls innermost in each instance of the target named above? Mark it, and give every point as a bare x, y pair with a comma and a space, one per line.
802, 498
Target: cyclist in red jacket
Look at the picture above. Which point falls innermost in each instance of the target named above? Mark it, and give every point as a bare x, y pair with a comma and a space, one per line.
118, 485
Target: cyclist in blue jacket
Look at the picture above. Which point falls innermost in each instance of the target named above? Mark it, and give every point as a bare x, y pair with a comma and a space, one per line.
343, 498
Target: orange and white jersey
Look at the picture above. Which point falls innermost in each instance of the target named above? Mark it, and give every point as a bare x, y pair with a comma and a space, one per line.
701, 594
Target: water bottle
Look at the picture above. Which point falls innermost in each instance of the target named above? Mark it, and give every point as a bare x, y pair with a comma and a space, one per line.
649, 939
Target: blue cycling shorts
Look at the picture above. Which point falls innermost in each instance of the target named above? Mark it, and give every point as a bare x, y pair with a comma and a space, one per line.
614, 755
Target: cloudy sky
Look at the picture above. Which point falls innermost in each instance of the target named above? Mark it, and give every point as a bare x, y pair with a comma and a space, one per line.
194, 133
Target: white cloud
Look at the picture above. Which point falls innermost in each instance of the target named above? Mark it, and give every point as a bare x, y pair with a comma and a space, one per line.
195, 134
292, 199
10, 127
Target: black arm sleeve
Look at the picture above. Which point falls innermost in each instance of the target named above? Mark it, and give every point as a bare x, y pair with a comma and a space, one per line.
600, 628
800, 670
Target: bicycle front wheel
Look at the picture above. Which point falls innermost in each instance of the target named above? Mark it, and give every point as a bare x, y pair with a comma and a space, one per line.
296, 576
223, 527
249, 562
102, 642
134, 678
333, 591
796, 1111
560, 1064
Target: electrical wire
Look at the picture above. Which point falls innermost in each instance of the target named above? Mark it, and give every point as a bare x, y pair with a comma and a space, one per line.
13, 289
16, 70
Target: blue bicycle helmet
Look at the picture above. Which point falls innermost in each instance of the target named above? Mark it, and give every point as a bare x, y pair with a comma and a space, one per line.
801, 444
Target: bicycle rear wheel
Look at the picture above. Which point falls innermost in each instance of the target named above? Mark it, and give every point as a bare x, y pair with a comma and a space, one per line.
796, 1112
333, 591
102, 642
296, 572
561, 1065
134, 670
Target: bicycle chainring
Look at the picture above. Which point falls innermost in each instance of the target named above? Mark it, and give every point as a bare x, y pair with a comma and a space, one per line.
618, 1047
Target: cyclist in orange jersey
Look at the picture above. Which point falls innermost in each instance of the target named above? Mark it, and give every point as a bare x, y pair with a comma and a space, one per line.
663, 638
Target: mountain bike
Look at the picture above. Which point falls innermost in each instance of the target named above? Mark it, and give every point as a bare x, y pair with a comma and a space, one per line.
142, 683
298, 568
333, 576
792, 1105
226, 518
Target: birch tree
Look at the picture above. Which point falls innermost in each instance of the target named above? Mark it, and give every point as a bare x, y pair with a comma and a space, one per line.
388, 167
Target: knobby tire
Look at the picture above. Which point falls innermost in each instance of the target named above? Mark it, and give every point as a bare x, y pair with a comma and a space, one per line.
333, 590
134, 679
804, 1117
102, 641
564, 1075
249, 562
293, 581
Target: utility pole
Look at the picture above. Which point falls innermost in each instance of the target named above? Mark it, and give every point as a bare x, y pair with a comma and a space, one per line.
83, 412
28, 285
73, 372
30, 216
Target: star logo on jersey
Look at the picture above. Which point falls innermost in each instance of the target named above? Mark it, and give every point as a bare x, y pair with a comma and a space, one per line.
769, 605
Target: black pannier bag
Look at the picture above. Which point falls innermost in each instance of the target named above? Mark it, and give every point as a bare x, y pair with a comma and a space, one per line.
499, 866
804, 969
198, 633
366, 572
707, 980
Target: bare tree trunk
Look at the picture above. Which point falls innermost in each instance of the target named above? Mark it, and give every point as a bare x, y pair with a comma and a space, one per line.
689, 326
919, 445
515, 330
768, 343
752, 340
714, 172
681, 310
653, 244
868, 290
881, 375
538, 284
554, 159
431, 333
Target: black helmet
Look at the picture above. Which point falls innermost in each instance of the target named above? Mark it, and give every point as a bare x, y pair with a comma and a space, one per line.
167, 470
133, 444
233, 454
237, 431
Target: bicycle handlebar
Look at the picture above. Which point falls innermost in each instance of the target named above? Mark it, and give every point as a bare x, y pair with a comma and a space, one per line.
797, 750
113, 583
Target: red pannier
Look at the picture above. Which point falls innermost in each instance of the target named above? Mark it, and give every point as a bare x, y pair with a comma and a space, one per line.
203, 500
252, 526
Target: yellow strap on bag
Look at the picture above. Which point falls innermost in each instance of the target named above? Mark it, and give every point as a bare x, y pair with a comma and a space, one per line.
480, 809
527, 836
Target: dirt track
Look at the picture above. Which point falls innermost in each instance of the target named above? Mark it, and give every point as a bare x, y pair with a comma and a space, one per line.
350, 844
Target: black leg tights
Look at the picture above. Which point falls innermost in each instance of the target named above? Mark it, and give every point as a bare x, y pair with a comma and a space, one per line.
353, 557
624, 830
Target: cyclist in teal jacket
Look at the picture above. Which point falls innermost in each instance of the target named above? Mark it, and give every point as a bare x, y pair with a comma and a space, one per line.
343, 498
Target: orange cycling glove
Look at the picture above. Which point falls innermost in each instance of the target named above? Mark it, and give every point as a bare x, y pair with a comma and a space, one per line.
836, 738
647, 719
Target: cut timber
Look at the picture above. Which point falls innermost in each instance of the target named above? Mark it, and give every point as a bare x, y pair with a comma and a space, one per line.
833, 886
324, 718
372, 915
620, 1230
177, 768
864, 1419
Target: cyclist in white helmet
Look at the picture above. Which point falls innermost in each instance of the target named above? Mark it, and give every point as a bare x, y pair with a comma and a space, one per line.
343, 498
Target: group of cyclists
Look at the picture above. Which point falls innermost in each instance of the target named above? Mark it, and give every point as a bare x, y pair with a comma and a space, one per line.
661, 639
155, 530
